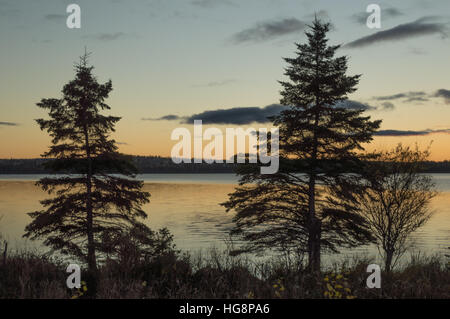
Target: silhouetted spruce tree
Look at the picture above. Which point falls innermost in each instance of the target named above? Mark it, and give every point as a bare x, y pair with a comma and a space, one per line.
321, 136
89, 200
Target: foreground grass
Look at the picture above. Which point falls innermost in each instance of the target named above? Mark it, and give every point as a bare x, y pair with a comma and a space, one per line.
217, 275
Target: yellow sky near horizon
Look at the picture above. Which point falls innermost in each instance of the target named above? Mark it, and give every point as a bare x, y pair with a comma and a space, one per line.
33, 142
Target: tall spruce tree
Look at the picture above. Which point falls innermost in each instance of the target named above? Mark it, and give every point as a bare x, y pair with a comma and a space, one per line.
89, 201
321, 136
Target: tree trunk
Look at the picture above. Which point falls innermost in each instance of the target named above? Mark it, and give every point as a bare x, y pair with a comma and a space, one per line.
316, 233
314, 223
91, 259
314, 230
5, 253
314, 245
388, 261
89, 221
92, 263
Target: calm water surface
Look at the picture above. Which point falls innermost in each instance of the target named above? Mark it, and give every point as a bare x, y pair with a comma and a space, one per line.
188, 204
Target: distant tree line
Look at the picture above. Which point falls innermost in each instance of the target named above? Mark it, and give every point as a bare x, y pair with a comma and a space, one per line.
144, 164
164, 165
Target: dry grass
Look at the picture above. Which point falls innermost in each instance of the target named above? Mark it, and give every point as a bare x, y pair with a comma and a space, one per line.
217, 275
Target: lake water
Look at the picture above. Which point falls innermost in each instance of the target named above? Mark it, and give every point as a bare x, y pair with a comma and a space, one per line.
188, 204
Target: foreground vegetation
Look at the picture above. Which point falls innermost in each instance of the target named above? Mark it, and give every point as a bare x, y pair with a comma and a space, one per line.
218, 275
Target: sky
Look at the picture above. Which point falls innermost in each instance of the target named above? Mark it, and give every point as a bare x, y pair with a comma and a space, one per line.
220, 61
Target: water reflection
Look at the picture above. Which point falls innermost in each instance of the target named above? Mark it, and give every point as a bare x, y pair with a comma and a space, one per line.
189, 207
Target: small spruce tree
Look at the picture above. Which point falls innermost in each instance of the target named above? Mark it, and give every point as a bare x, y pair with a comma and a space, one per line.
95, 191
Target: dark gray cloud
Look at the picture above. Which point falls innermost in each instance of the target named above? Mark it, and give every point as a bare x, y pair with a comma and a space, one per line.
237, 115
417, 96
420, 27
247, 115
414, 96
169, 117
355, 105
268, 30
410, 133
9, 124
211, 3
106, 36
444, 94
417, 99
386, 13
